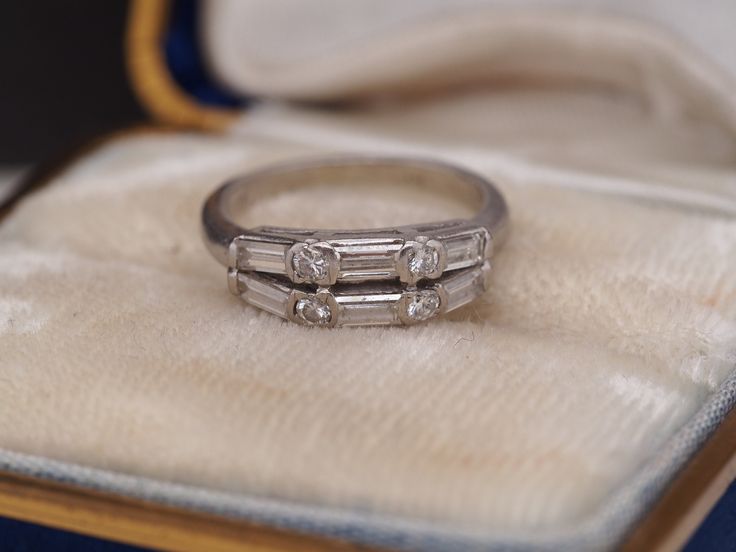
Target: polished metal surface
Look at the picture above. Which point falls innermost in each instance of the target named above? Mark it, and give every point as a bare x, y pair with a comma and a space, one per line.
366, 304
356, 255
355, 277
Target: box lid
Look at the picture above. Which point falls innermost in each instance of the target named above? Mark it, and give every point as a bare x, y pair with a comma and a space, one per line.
199, 63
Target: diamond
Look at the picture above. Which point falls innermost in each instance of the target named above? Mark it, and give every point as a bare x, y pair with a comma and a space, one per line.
313, 311
310, 264
422, 305
422, 260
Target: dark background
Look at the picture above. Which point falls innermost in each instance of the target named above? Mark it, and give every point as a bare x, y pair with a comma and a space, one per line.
62, 76
62, 82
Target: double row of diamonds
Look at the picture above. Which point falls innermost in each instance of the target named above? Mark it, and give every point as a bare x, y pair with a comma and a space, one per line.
417, 263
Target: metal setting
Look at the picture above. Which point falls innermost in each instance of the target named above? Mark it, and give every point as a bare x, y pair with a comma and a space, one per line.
387, 276
327, 257
367, 304
327, 304
312, 262
413, 309
421, 259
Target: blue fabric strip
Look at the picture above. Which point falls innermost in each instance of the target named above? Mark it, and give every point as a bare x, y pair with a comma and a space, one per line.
186, 61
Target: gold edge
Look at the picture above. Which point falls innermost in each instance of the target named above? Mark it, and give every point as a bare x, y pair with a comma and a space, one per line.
691, 496
141, 523
150, 77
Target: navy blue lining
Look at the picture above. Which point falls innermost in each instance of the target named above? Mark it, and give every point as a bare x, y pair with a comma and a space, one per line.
718, 531
186, 62
20, 536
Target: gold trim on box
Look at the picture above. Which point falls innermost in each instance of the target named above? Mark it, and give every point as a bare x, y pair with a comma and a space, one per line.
142, 523
150, 77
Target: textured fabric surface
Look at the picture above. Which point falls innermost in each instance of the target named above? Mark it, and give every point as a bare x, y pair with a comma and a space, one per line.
610, 320
674, 54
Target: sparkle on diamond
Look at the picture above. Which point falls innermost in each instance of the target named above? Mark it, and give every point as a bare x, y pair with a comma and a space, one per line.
311, 264
422, 305
422, 259
313, 311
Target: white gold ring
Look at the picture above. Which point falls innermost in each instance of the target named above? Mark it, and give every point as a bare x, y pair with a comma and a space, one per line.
415, 268
366, 304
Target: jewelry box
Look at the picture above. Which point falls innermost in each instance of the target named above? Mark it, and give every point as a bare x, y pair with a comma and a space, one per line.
583, 403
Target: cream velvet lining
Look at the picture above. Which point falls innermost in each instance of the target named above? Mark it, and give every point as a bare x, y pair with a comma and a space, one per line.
675, 55
611, 318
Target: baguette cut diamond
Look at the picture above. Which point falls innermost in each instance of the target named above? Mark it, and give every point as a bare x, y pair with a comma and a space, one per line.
422, 305
370, 303
422, 260
313, 311
310, 264
464, 250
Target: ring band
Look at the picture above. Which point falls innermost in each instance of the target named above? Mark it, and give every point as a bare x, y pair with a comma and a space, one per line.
325, 257
367, 304
384, 276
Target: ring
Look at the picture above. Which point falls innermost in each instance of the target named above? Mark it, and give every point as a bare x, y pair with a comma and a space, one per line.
276, 268
367, 304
